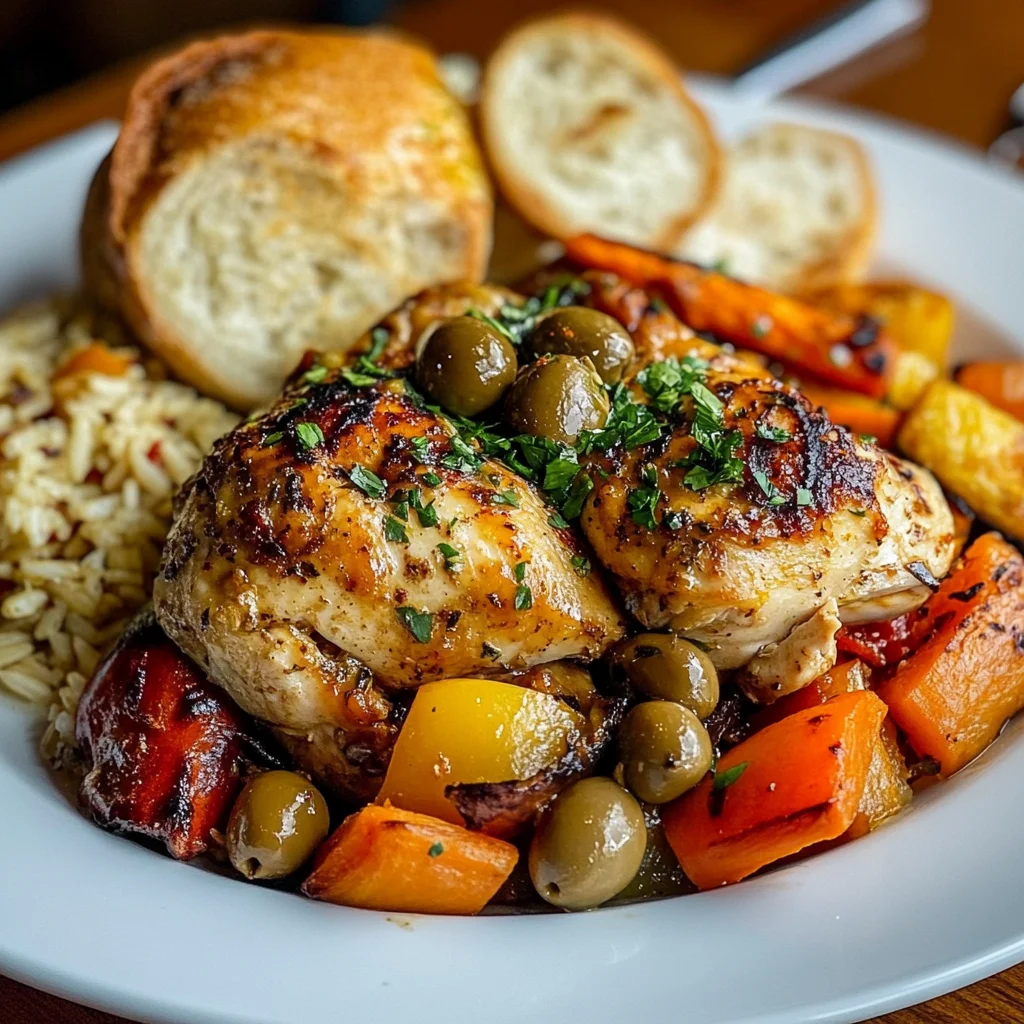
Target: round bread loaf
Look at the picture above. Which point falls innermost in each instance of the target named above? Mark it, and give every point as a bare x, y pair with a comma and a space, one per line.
279, 191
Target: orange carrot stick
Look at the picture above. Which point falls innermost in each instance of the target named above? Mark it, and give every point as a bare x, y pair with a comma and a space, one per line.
886, 791
1001, 383
856, 412
850, 352
384, 858
795, 783
956, 691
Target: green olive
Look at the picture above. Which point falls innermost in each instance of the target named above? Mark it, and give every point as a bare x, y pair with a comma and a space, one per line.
665, 750
557, 397
465, 365
667, 667
277, 822
588, 845
579, 331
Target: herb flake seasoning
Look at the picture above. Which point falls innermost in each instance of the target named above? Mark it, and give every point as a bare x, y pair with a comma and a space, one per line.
309, 434
436, 849
643, 500
420, 624
367, 481
723, 780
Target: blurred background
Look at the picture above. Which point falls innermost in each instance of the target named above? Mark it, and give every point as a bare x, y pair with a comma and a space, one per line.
956, 73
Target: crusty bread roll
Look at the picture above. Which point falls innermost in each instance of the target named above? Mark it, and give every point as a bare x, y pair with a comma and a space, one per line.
588, 129
278, 191
796, 211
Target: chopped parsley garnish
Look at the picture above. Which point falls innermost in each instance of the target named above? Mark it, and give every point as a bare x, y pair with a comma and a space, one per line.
867, 438
777, 434
505, 498
395, 531
723, 780
451, 556
666, 383
272, 438
524, 596
368, 482
557, 521
436, 849
401, 506
462, 458
431, 479
577, 495
427, 514
771, 492
420, 447
714, 460
581, 564
309, 434
314, 375
366, 371
630, 424
559, 473
420, 624
673, 520
476, 314
803, 496
643, 500
357, 379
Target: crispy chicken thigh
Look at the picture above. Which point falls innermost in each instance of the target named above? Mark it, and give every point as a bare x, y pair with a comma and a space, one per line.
819, 515
293, 553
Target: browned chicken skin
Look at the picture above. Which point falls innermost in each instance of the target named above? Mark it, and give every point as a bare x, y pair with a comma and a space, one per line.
289, 577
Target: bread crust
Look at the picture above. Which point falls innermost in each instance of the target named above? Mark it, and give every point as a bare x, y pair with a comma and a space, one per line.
528, 201
344, 97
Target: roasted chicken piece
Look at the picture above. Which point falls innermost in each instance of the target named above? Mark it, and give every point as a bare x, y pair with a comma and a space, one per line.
815, 514
349, 522
164, 748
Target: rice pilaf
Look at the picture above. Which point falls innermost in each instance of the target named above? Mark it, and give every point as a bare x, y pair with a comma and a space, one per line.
89, 465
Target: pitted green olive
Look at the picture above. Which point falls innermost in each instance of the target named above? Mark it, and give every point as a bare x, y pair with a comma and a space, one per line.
557, 397
579, 331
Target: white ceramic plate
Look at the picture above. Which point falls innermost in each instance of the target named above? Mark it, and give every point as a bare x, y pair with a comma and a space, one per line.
928, 904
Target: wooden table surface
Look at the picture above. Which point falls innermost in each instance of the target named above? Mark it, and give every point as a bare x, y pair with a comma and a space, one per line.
955, 75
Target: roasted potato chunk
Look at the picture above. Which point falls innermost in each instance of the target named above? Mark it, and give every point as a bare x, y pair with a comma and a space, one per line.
975, 449
916, 319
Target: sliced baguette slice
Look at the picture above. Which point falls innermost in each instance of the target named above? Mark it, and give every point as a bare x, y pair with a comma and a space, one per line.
279, 191
588, 129
796, 211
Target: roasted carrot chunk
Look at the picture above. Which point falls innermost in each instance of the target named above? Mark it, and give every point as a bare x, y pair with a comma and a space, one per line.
1001, 383
957, 690
793, 784
848, 351
94, 358
845, 677
385, 858
857, 413
886, 791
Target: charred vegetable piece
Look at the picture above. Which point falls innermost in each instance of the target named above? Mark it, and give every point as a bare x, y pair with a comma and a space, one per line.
385, 858
163, 746
580, 331
857, 413
957, 690
916, 319
796, 783
466, 365
276, 824
665, 750
879, 644
850, 352
886, 791
588, 845
1001, 383
664, 666
845, 677
557, 397
975, 449
474, 731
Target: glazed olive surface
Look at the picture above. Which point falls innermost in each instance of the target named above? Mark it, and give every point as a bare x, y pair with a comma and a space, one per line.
665, 750
276, 824
465, 365
557, 397
663, 666
588, 845
579, 331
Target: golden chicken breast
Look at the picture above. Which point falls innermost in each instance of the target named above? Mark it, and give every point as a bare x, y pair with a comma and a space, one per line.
348, 541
